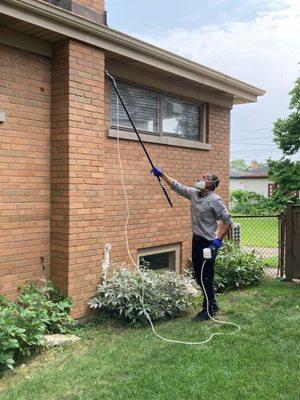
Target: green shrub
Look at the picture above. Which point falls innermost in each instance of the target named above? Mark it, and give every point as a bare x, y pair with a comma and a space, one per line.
277, 203
165, 295
236, 268
11, 335
38, 311
244, 202
50, 307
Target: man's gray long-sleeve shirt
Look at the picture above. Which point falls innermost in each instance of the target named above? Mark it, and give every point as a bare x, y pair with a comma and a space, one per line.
205, 211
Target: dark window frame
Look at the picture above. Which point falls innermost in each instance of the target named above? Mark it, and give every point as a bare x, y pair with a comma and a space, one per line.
202, 123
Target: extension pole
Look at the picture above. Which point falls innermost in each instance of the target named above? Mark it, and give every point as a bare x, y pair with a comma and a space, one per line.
112, 79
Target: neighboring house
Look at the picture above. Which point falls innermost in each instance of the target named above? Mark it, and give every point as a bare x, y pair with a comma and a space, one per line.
256, 180
60, 187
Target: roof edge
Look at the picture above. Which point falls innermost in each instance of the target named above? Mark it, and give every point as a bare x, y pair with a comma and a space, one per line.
250, 177
46, 10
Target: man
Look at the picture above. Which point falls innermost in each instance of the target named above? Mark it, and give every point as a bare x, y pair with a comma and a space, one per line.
207, 208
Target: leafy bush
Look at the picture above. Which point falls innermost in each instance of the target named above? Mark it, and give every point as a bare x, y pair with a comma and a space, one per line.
38, 311
278, 201
244, 202
165, 295
236, 268
49, 305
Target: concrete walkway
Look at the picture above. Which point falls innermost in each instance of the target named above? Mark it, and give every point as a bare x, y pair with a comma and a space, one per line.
262, 251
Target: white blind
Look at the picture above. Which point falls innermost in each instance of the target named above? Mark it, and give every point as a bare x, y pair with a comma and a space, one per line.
181, 119
142, 104
156, 113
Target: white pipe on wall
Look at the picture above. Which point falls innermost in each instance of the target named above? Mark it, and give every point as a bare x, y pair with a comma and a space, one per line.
106, 261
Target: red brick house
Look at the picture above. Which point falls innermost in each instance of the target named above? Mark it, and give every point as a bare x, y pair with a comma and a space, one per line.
60, 189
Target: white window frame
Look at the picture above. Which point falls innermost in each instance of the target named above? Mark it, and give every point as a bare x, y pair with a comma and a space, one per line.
162, 249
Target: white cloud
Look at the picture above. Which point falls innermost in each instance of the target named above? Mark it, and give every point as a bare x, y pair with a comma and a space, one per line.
264, 52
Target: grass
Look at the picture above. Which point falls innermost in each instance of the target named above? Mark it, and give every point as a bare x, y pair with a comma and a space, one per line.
115, 362
271, 261
260, 232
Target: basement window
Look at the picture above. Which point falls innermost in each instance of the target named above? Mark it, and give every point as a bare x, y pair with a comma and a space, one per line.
160, 259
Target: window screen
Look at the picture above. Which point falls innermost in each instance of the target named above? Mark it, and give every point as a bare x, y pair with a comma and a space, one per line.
181, 119
142, 104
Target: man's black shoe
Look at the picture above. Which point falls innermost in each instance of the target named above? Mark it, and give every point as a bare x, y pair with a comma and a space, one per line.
202, 316
215, 308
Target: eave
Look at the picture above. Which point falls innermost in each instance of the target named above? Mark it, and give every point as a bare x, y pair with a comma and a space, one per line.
62, 23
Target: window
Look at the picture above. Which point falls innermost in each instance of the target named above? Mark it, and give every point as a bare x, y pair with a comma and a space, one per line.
157, 114
181, 119
143, 106
165, 258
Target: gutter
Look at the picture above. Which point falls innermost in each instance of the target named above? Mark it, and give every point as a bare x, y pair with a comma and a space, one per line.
44, 11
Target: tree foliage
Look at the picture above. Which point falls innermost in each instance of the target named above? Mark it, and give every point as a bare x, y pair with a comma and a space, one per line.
286, 172
287, 131
240, 164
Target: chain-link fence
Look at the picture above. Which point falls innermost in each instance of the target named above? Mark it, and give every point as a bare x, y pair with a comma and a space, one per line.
261, 235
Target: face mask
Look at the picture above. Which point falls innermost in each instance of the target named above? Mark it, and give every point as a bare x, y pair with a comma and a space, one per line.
200, 185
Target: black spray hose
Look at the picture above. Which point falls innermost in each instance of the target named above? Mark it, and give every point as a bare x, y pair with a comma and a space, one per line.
112, 79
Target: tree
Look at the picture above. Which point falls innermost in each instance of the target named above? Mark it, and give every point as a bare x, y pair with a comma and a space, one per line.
240, 165
286, 172
256, 164
287, 131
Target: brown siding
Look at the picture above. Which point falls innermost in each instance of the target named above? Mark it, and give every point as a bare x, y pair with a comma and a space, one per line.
24, 165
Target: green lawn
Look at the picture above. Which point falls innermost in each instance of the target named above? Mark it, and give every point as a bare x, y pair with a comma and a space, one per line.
258, 231
271, 261
113, 362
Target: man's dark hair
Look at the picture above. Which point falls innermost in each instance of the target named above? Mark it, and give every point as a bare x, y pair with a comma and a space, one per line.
215, 180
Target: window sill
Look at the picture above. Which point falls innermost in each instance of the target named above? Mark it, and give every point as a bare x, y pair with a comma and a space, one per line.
166, 140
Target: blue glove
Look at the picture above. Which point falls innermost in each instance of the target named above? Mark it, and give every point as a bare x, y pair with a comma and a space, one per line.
157, 172
217, 243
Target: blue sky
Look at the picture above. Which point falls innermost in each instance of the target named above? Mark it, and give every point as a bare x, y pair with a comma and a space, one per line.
253, 40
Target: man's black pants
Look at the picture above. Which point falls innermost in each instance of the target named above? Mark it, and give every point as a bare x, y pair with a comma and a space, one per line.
200, 243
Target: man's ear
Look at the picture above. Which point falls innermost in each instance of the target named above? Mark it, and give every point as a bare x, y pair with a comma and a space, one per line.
209, 185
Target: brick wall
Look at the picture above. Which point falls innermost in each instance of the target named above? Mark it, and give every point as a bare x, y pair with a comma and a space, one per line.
81, 7
60, 166
87, 202
77, 170
24, 167
97, 5
152, 221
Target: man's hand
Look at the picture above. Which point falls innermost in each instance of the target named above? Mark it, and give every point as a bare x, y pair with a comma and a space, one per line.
217, 243
223, 230
157, 172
